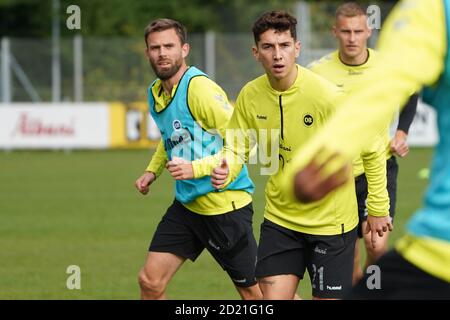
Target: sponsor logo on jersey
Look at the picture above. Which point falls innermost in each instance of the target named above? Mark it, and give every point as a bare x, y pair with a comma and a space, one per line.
179, 137
354, 73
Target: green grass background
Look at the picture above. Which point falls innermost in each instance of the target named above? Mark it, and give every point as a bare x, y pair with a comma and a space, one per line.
80, 208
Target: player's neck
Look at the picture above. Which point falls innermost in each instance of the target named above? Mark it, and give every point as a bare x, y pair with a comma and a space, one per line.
172, 81
284, 83
354, 61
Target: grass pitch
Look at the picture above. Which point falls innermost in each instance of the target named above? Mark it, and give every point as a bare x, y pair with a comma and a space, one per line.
80, 208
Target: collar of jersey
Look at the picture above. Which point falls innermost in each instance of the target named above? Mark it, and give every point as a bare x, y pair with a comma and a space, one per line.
162, 99
364, 65
293, 88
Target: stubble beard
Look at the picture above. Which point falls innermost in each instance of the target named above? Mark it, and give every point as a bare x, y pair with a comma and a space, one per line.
167, 73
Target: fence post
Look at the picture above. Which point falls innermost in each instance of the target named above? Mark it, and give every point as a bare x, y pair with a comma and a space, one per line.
303, 14
6, 71
210, 54
78, 68
56, 63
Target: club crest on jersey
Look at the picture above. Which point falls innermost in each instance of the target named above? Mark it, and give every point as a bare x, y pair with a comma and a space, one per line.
178, 139
308, 120
176, 124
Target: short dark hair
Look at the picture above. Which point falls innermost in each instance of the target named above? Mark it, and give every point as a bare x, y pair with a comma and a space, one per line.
278, 20
165, 24
350, 9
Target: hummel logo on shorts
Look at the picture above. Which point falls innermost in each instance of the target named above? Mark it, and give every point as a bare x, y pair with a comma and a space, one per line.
334, 288
212, 244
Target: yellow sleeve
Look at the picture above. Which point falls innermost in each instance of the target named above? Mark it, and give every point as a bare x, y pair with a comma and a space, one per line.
240, 138
374, 162
411, 52
236, 149
210, 107
209, 104
158, 161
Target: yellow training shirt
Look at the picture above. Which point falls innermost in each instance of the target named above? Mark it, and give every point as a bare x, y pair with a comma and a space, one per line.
350, 78
281, 123
416, 29
371, 161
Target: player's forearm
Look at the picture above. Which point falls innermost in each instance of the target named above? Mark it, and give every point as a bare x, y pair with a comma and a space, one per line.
235, 163
374, 163
158, 161
404, 70
204, 166
237, 149
407, 114
377, 199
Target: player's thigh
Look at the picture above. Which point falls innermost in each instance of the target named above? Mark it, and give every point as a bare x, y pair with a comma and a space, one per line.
230, 240
331, 263
281, 261
175, 234
250, 293
279, 287
159, 267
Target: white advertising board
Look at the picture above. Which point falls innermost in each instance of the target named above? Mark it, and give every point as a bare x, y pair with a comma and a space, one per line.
54, 126
423, 131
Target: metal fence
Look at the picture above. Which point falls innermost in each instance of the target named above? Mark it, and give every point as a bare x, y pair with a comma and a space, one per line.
115, 69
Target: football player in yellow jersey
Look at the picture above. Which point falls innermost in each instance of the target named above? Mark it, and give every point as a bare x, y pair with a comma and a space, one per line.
414, 55
186, 106
294, 103
347, 67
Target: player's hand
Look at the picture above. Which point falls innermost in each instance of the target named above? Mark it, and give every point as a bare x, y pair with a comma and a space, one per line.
220, 174
311, 185
180, 169
378, 226
399, 145
143, 183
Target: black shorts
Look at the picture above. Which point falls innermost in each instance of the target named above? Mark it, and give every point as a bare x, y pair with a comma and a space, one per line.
329, 259
361, 192
228, 237
399, 279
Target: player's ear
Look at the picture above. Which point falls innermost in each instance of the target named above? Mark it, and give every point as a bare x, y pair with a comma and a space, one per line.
185, 50
334, 31
255, 52
298, 47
